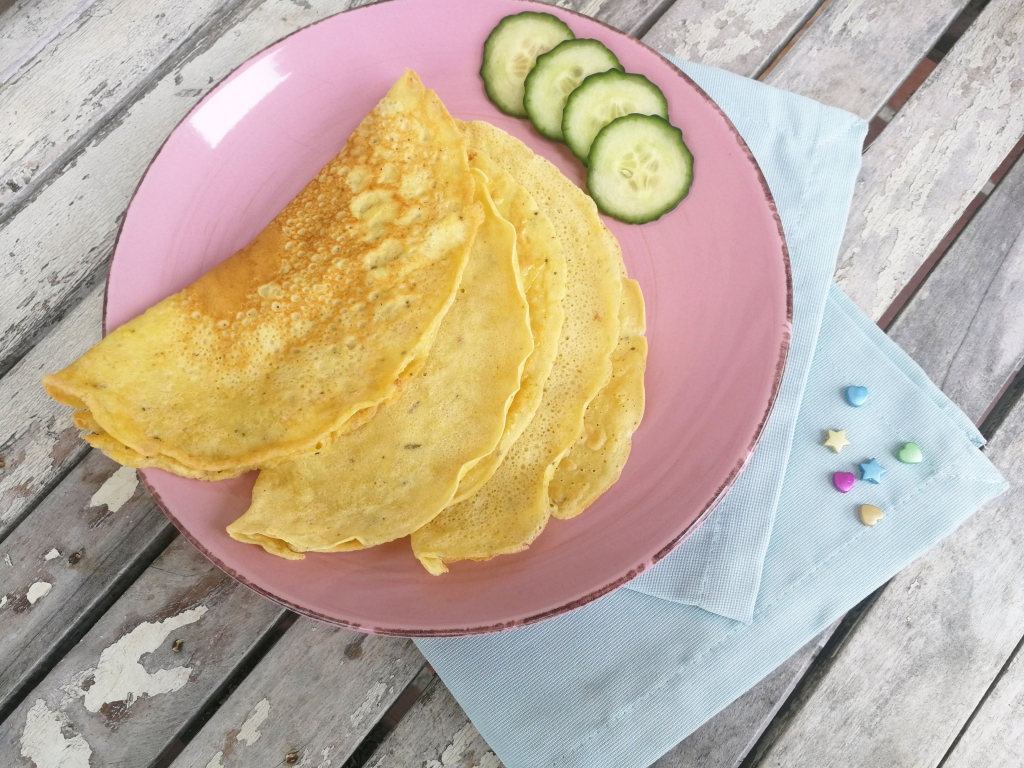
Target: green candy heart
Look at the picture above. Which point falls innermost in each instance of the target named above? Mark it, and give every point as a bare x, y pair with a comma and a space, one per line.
910, 453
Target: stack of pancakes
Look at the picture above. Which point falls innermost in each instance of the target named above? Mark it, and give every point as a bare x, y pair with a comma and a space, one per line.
435, 339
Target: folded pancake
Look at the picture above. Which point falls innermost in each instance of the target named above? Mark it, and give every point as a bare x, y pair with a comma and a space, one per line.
273, 351
510, 510
386, 479
597, 457
542, 265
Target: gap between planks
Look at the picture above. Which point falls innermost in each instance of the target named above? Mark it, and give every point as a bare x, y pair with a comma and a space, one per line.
71, 329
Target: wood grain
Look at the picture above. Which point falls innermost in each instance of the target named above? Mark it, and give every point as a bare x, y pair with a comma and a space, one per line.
919, 661
995, 738
60, 243
38, 441
629, 16
858, 52
742, 36
965, 326
97, 549
29, 26
934, 157
89, 71
316, 694
435, 732
123, 690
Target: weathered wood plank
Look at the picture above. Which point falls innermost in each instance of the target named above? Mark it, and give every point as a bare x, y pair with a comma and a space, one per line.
87, 540
965, 326
435, 732
630, 16
28, 26
124, 693
88, 72
919, 661
856, 54
995, 738
742, 36
316, 695
59, 243
38, 441
934, 157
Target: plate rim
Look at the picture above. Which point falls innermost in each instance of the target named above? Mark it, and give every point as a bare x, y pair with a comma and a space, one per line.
676, 541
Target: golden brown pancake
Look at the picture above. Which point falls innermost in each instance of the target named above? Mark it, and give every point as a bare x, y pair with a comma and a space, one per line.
386, 479
597, 457
542, 265
272, 352
511, 509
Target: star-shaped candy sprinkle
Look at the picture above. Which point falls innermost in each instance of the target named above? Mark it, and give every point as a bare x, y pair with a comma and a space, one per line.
837, 440
872, 471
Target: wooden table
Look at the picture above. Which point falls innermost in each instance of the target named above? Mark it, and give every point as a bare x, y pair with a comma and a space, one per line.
121, 646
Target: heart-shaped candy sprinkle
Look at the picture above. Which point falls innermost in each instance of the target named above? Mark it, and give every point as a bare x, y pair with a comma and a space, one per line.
910, 453
856, 396
843, 481
870, 514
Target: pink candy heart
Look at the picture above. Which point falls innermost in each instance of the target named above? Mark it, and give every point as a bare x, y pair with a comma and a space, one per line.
843, 481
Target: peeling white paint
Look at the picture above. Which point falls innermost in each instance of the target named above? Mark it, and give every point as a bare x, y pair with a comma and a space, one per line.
51, 554
723, 37
3, 601
372, 700
38, 590
44, 743
324, 760
215, 761
7, 559
852, 17
913, 184
120, 677
456, 751
116, 491
249, 732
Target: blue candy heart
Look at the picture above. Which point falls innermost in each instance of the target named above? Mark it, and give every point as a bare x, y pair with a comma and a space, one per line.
856, 396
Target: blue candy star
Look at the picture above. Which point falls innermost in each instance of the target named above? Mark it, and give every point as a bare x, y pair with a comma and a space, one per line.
872, 471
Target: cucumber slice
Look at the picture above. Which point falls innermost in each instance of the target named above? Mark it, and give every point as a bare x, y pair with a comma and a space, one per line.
603, 97
557, 74
510, 52
639, 168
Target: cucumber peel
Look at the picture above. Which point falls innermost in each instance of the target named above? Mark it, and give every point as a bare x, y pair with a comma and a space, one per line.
601, 98
556, 75
510, 52
640, 168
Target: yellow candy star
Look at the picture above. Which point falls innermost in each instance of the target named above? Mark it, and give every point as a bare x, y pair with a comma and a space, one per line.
837, 440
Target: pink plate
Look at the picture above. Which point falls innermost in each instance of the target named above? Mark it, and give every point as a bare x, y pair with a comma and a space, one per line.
714, 273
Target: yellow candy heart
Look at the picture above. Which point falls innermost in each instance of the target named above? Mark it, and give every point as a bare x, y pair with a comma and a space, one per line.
870, 514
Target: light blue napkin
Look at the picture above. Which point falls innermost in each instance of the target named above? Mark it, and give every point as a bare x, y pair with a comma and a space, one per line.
810, 155
619, 682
